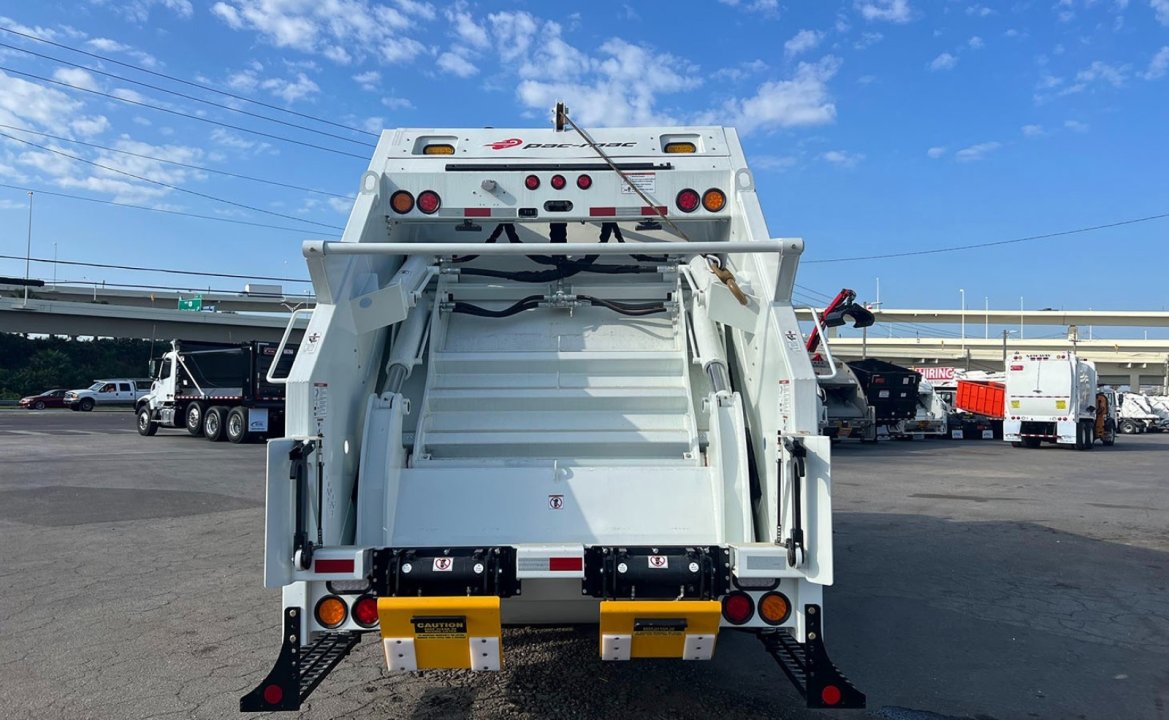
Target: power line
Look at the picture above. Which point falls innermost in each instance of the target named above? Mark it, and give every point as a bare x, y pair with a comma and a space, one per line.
185, 96
300, 231
167, 271
188, 82
176, 162
974, 246
168, 185
181, 114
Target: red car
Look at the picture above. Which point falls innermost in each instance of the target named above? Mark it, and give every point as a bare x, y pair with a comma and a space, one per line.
47, 399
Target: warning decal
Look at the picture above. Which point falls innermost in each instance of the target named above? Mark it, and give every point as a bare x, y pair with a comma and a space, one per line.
555, 501
443, 564
439, 627
659, 561
646, 182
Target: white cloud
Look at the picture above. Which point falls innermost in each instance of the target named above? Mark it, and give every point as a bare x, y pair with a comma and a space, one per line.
1161, 8
75, 76
339, 30
868, 39
802, 42
139, 10
36, 31
1032, 131
1097, 74
368, 80
1075, 125
291, 90
1159, 65
740, 71
841, 158
803, 100
936, 152
945, 61
456, 65
975, 43
759, 6
514, 33
27, 104
374, 124
467, 30
979, 11
90, 126
773, 162
106, 45
896, 11
976, 152
397, 103
228, 139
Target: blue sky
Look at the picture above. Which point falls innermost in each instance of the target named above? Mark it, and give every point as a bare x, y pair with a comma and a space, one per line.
874, 126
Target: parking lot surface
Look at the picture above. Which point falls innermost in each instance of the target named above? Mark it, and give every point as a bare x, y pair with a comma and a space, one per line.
973, 580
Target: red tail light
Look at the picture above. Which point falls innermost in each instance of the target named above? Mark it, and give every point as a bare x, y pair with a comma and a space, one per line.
531, 182
273, 694
687, 200
558, 182
365, 611
738, 607
584, 182
429, 202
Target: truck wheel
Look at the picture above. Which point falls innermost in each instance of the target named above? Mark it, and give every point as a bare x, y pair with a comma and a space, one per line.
146, 424
194, 418
85, 405
1127, 427
1084, 433
1109, 437
213, 423
237, 425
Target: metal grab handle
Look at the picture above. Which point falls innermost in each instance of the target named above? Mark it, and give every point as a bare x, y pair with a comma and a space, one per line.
823, 342
280, 348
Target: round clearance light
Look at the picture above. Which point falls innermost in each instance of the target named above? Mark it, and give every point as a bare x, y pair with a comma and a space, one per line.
365, 611
273, 694
531, 182
558, 182
830, 695
402, 202
429, 202
584, 182
774, 608
714, 200
687, 200
331, 611
738, 607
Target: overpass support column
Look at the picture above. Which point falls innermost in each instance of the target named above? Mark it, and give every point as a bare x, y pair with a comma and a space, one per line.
1134, 381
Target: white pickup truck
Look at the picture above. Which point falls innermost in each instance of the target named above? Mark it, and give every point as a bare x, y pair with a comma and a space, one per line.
116, 391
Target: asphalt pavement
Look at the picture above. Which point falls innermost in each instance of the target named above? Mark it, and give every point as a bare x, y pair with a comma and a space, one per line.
973, 580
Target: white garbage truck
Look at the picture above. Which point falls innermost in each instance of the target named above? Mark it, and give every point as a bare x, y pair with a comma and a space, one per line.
1052, 397
552, 377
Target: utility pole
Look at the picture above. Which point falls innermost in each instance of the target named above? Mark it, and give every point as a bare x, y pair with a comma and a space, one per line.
1006, 334
28, 249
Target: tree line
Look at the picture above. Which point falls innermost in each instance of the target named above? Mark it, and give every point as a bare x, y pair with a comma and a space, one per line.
30, 365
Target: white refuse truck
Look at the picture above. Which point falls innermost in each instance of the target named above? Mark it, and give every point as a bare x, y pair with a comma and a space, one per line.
1052, 397
932, 415
551, 378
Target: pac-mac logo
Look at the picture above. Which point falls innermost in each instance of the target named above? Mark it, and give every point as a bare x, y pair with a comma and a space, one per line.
504, 144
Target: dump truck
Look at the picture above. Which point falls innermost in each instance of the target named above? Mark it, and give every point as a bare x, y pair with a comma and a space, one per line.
552, 377
1052, 397
217, 390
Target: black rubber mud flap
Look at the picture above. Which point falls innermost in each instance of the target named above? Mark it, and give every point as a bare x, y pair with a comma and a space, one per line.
808, 667
298, 670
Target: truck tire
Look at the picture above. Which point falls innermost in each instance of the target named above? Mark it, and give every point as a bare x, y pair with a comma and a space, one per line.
237, 425
85, 405
1109, 438
194, 418
1127, 427
1084, 436
146, 424
213, 423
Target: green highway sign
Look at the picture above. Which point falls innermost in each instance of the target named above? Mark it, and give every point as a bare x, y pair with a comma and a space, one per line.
192, 303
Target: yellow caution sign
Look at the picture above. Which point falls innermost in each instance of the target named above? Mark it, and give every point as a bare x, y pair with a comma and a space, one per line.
685, 629
424, 633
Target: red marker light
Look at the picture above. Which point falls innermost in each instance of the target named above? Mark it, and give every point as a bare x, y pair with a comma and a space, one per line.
531, 182
687, 200
584, 182
273, 694
429, 202
558, 182
830, 695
